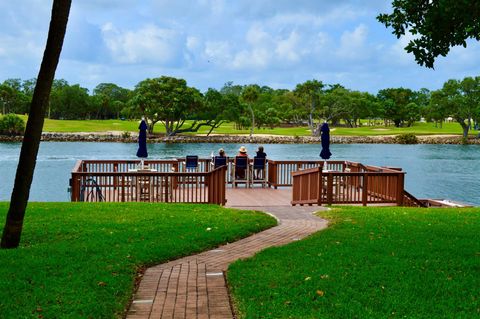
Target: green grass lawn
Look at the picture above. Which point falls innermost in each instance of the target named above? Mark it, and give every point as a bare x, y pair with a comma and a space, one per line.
228, 128
80, 260
417, 128
369, 263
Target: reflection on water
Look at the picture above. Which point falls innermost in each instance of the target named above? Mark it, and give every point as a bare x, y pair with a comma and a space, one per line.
433, 171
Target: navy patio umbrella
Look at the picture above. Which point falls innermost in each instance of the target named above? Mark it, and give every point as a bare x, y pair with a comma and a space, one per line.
325, 138
142, 141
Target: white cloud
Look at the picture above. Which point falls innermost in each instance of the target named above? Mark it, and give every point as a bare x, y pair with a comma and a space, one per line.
352, 43
256, 58
210, 42
288, 49
147, 44
395, 55
218, 52
193, 43
256, 36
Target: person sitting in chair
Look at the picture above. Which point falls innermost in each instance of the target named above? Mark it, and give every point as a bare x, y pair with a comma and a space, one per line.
260, 154
242, 151
221, 153
220, 159
240, 171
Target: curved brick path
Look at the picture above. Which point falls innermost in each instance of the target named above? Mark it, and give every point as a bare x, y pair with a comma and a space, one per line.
195, 286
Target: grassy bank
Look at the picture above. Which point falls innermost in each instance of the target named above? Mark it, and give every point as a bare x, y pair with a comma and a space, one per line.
228, 128
370, 263
80, 260
417, 128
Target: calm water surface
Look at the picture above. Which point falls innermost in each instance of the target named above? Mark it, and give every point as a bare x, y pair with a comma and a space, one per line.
433, 171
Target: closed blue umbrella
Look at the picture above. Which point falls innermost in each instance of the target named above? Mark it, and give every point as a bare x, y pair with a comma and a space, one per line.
142, 141
325, 138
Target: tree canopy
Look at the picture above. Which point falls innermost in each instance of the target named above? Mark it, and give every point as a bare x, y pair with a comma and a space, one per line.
437, 25
168, 100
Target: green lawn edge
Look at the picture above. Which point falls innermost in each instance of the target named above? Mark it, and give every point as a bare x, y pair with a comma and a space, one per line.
227, 128
369, 263
81, 260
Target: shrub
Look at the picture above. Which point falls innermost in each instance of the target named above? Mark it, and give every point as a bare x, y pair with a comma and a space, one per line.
407, 138
126, 135
11, 125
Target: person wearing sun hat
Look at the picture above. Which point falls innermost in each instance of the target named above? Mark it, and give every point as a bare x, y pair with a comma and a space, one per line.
240, 172
242, 151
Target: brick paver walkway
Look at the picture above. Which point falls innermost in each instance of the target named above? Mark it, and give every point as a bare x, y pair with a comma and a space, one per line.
195, 286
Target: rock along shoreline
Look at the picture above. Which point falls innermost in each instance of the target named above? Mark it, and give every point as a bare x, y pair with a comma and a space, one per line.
238, 139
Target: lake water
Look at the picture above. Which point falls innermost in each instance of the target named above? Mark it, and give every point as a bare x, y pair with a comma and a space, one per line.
433, 171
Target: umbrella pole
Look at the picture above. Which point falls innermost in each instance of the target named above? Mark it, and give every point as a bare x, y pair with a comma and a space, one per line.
141, 163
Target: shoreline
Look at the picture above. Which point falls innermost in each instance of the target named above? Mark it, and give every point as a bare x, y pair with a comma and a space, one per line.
239, 139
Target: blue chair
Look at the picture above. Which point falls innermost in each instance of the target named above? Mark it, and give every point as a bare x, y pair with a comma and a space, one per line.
219, 161
241, 172
191, 163
259, 172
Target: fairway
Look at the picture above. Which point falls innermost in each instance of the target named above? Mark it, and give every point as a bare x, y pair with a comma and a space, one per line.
227, 128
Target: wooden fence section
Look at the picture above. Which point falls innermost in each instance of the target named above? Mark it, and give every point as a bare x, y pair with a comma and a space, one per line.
280, 172
314, 182
117, 181
349, 183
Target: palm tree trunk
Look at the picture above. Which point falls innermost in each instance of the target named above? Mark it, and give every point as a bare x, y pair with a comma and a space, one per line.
253, 120
31, 141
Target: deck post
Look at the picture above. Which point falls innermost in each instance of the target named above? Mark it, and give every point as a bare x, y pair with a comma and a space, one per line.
115, 178
365, 189
123, 188
320, 186
272, 174
75, 195
329, 188
167, 195
400, 188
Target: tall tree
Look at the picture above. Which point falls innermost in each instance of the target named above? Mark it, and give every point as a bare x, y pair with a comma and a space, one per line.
70, 102
12, 98
167, 100
460, 100
111, 99
310, 92
28, 155
250, 95
437, 25
394, 102
436, 110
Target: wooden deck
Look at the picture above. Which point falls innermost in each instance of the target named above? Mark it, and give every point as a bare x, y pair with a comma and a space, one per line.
290, 183
258, 197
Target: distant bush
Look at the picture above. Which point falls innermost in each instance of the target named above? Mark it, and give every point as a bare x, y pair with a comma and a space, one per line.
11, 125
407, 138
126, 134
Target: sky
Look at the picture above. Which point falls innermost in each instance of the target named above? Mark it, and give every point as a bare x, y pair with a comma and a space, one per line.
278, 43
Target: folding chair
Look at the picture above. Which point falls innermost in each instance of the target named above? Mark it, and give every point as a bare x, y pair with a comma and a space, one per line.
191, 163
219, 161
241, 171
259, 171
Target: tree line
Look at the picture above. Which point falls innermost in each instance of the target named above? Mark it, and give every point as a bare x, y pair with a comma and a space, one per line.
182, 108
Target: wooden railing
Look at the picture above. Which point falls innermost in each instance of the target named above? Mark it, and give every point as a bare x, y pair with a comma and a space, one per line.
411, 201
114, 181
350, 183
314, 182
280, 172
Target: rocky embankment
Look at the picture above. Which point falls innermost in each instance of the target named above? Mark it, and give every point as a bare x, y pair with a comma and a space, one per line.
239, 139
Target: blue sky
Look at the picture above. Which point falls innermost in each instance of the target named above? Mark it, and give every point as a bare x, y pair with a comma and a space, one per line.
278, 43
